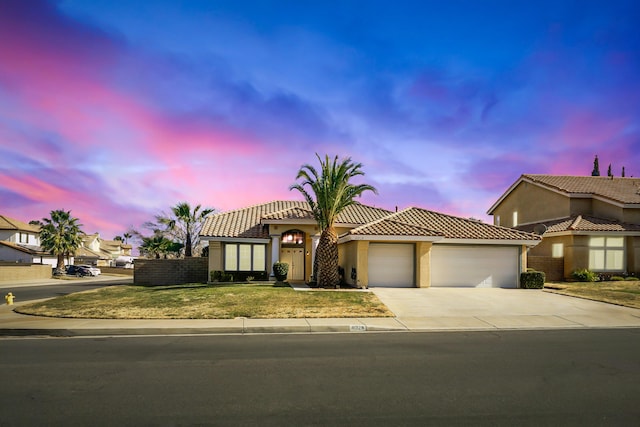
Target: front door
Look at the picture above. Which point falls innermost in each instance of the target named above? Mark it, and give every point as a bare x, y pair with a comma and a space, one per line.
295, 258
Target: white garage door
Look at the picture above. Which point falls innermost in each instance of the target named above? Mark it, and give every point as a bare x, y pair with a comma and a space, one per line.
391, 264
475, 266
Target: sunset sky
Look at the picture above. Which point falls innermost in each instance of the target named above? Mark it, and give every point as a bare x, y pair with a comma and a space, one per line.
117, 110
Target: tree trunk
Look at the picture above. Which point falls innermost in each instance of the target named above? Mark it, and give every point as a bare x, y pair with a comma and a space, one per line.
328, 276
60, 266
187, 249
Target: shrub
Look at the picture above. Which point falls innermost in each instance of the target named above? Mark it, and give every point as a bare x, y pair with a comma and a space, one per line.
216, 276
584, 275
616, 278
280, 270
532, 280
631, 278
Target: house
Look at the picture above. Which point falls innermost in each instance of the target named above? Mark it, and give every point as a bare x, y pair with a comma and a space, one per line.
587, 222
103, 253
411, 248
20, 242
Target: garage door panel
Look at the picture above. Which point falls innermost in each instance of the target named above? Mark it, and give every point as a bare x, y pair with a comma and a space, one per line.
391, 265
474, 266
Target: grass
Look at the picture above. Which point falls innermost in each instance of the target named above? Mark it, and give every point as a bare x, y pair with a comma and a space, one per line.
626, 293
198, 301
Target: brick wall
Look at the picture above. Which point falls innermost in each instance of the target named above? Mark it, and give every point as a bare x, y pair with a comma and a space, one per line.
22, 271
160, 272
553, 267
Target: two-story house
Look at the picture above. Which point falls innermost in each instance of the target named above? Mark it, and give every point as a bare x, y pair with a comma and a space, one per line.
587, 222
103, 253
20, 242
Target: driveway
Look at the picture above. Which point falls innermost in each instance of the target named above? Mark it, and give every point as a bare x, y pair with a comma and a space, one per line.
455, 308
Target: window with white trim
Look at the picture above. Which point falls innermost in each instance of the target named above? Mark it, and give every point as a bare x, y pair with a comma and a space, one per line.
245, 257
606, 253
515, 219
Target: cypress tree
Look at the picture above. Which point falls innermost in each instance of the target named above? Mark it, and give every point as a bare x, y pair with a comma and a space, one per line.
609, 171
623, 171
596, 167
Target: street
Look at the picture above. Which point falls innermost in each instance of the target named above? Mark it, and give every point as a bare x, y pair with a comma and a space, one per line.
34, 292
560, 377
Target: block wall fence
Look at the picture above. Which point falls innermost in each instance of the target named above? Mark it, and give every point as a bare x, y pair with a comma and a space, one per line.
162, 272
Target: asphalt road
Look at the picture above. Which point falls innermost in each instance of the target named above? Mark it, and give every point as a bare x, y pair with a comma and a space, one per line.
29, 293
569, 377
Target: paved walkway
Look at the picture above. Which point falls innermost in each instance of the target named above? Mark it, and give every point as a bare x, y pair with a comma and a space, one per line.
435, 309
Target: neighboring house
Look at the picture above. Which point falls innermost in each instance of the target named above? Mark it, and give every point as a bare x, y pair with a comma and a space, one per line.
586, 222
410, 248
20, 242
102, 253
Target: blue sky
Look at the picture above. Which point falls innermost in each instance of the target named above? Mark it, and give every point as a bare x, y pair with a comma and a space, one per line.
118, 110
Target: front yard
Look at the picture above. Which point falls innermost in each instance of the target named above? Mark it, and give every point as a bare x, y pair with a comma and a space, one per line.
626, 293
198, 301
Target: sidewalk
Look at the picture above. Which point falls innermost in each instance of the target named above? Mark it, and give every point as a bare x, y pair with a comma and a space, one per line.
416, 310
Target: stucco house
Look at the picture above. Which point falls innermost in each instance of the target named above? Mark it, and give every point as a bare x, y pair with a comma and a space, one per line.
20, 242
587, 222
100, 252
411, 248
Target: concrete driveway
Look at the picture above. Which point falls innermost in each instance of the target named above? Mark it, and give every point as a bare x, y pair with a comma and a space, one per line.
480, 308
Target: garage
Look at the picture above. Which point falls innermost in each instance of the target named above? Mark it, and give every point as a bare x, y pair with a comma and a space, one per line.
477, 266
391, 265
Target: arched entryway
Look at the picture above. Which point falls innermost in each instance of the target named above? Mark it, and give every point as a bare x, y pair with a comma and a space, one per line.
292, 245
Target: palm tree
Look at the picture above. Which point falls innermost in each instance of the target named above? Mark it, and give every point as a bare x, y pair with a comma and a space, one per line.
126, 237
186, 224
157, 245
330, 192
61, 235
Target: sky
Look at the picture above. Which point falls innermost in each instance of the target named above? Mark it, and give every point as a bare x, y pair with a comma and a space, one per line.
118, 110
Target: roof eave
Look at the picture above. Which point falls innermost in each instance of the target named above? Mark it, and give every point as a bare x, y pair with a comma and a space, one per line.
235, 239
502, 242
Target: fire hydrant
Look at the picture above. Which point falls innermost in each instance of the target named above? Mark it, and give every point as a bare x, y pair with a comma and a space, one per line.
9, 298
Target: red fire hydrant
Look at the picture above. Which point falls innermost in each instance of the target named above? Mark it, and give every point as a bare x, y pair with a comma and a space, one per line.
9, 298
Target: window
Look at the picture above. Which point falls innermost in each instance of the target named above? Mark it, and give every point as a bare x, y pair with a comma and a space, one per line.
515, 219
557, 250
24, 238
606, 253
245, 257
497, 219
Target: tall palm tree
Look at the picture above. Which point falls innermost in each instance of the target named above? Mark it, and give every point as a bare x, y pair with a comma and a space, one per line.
329, 193
186, 224
61, 235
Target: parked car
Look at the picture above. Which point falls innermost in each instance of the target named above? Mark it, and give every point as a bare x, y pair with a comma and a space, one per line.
82, 270
93, 271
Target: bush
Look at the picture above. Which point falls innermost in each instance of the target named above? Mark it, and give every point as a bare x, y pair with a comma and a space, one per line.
280, 270
616, 278
216, 276
584, 275
631, 278
532, 280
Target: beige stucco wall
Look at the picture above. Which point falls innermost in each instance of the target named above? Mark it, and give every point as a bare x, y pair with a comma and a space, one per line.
215, 257
533, 204
423, 264
355, 254
633, 255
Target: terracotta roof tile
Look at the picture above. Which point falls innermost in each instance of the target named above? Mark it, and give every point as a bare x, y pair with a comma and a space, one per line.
622, 190
453, 227
7, 223
246, 223
582, 223
392, 227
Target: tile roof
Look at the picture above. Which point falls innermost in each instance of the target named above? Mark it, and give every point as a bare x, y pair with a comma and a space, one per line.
391, 227
246, 223
622, 190
453, 227
583, 223
29, 249
7, 223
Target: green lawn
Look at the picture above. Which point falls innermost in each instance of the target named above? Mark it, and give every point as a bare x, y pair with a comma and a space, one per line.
626, 293
198, 301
